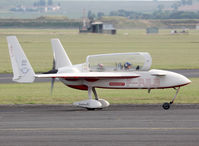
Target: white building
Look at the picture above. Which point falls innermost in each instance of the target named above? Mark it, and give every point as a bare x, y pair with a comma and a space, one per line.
197, 26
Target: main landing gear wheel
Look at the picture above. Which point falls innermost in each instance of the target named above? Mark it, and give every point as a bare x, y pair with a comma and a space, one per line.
166, 106
90, 109
92, 104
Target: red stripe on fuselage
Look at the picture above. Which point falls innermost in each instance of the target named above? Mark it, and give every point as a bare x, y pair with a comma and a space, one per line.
117, 84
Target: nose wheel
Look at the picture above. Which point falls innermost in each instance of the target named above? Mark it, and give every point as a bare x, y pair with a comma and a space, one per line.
167, 105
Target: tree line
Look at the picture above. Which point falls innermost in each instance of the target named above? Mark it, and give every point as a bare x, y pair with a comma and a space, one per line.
159, 14
156, 14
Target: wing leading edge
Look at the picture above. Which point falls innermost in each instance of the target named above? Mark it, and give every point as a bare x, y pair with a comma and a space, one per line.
89, 75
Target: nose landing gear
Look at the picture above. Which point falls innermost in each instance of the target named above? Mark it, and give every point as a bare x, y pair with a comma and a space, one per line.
167, 105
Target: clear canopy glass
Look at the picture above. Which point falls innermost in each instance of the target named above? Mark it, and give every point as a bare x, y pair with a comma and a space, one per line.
118, 62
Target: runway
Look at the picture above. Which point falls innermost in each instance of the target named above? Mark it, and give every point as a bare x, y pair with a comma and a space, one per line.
191, 73
117, 125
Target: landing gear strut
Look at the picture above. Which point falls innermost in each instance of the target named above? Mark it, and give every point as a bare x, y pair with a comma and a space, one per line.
98, 104
102, 101
166, 105
95, 93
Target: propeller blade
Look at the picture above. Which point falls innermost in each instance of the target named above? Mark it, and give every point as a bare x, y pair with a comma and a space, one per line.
53, 64
52, 85
53, 70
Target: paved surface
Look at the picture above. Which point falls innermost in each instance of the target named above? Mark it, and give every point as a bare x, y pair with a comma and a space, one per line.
127, 125
193, 73
7, 78
190, 73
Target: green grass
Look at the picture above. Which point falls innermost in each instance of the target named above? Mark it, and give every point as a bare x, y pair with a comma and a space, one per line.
39, 93
168, 51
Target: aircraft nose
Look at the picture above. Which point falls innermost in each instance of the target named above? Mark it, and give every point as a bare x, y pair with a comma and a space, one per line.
184, 80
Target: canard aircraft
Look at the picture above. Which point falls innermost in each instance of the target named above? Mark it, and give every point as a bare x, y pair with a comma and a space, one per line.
110, 71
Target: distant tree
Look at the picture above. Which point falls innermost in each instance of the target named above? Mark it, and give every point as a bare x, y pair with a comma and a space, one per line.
50, 2
113, 13
186, 2
183, 2
35, 4
160, 7
100, 15
91, 15
190, 2
42, 2
176, 5
156, 15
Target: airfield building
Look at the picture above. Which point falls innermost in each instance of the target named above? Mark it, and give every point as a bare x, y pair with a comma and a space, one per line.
98, 27
197, 26
109, 29
150, 30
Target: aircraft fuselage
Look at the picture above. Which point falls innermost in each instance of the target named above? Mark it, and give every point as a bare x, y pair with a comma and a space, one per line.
147, 80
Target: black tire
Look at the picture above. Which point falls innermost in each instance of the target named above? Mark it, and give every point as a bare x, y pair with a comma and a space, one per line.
166, 106
90, 109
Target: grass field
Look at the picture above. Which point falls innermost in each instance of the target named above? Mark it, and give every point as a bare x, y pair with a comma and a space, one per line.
39, 93
168, 51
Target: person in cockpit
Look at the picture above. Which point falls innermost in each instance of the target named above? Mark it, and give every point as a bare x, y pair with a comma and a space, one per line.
127, 66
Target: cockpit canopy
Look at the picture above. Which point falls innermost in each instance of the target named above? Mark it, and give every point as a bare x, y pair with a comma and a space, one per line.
140, 61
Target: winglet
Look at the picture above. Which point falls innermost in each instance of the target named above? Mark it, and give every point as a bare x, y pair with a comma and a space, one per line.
60, 56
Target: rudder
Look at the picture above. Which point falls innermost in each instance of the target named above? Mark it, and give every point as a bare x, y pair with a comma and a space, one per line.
22, 70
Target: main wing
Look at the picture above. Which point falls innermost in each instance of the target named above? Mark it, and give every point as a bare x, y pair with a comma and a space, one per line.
90, 75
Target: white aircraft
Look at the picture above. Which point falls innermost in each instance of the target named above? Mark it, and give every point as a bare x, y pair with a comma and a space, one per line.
110, 71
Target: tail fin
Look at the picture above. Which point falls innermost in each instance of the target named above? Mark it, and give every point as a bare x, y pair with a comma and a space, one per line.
60, 56
22, 70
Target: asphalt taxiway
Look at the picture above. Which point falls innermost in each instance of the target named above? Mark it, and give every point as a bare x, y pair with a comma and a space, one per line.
116, 125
